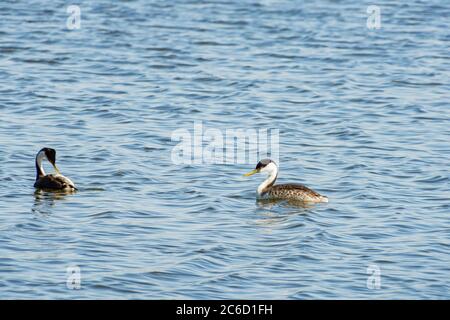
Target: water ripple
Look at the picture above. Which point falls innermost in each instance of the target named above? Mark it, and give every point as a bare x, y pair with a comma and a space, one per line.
363, 118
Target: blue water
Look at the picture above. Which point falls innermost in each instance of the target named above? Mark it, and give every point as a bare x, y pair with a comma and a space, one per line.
363, 117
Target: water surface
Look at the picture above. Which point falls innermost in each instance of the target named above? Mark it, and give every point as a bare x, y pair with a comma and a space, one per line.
363, 118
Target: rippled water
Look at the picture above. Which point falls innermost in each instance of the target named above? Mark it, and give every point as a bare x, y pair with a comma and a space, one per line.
363, 118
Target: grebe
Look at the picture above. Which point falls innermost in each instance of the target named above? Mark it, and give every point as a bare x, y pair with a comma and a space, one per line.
291, 191
51, 181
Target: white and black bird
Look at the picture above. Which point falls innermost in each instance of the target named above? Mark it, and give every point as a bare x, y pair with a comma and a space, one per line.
290, 191
51, 181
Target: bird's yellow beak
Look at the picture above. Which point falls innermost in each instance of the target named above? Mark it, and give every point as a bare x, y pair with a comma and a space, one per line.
248, 174
56, 168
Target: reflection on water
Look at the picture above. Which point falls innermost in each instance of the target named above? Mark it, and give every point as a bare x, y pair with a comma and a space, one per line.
269, 210
45, 200
269, 203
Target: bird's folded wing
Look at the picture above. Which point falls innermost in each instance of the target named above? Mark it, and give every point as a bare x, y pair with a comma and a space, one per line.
54, 182
294, 187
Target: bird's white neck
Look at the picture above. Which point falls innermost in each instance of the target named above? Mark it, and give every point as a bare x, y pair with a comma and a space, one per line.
39, 168
272, 171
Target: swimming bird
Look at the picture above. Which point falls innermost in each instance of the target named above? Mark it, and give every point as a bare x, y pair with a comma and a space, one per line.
291, 191
51, 181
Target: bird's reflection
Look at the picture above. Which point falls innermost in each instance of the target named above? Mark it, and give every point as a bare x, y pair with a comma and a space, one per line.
44, 200
270, 203
276, 211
